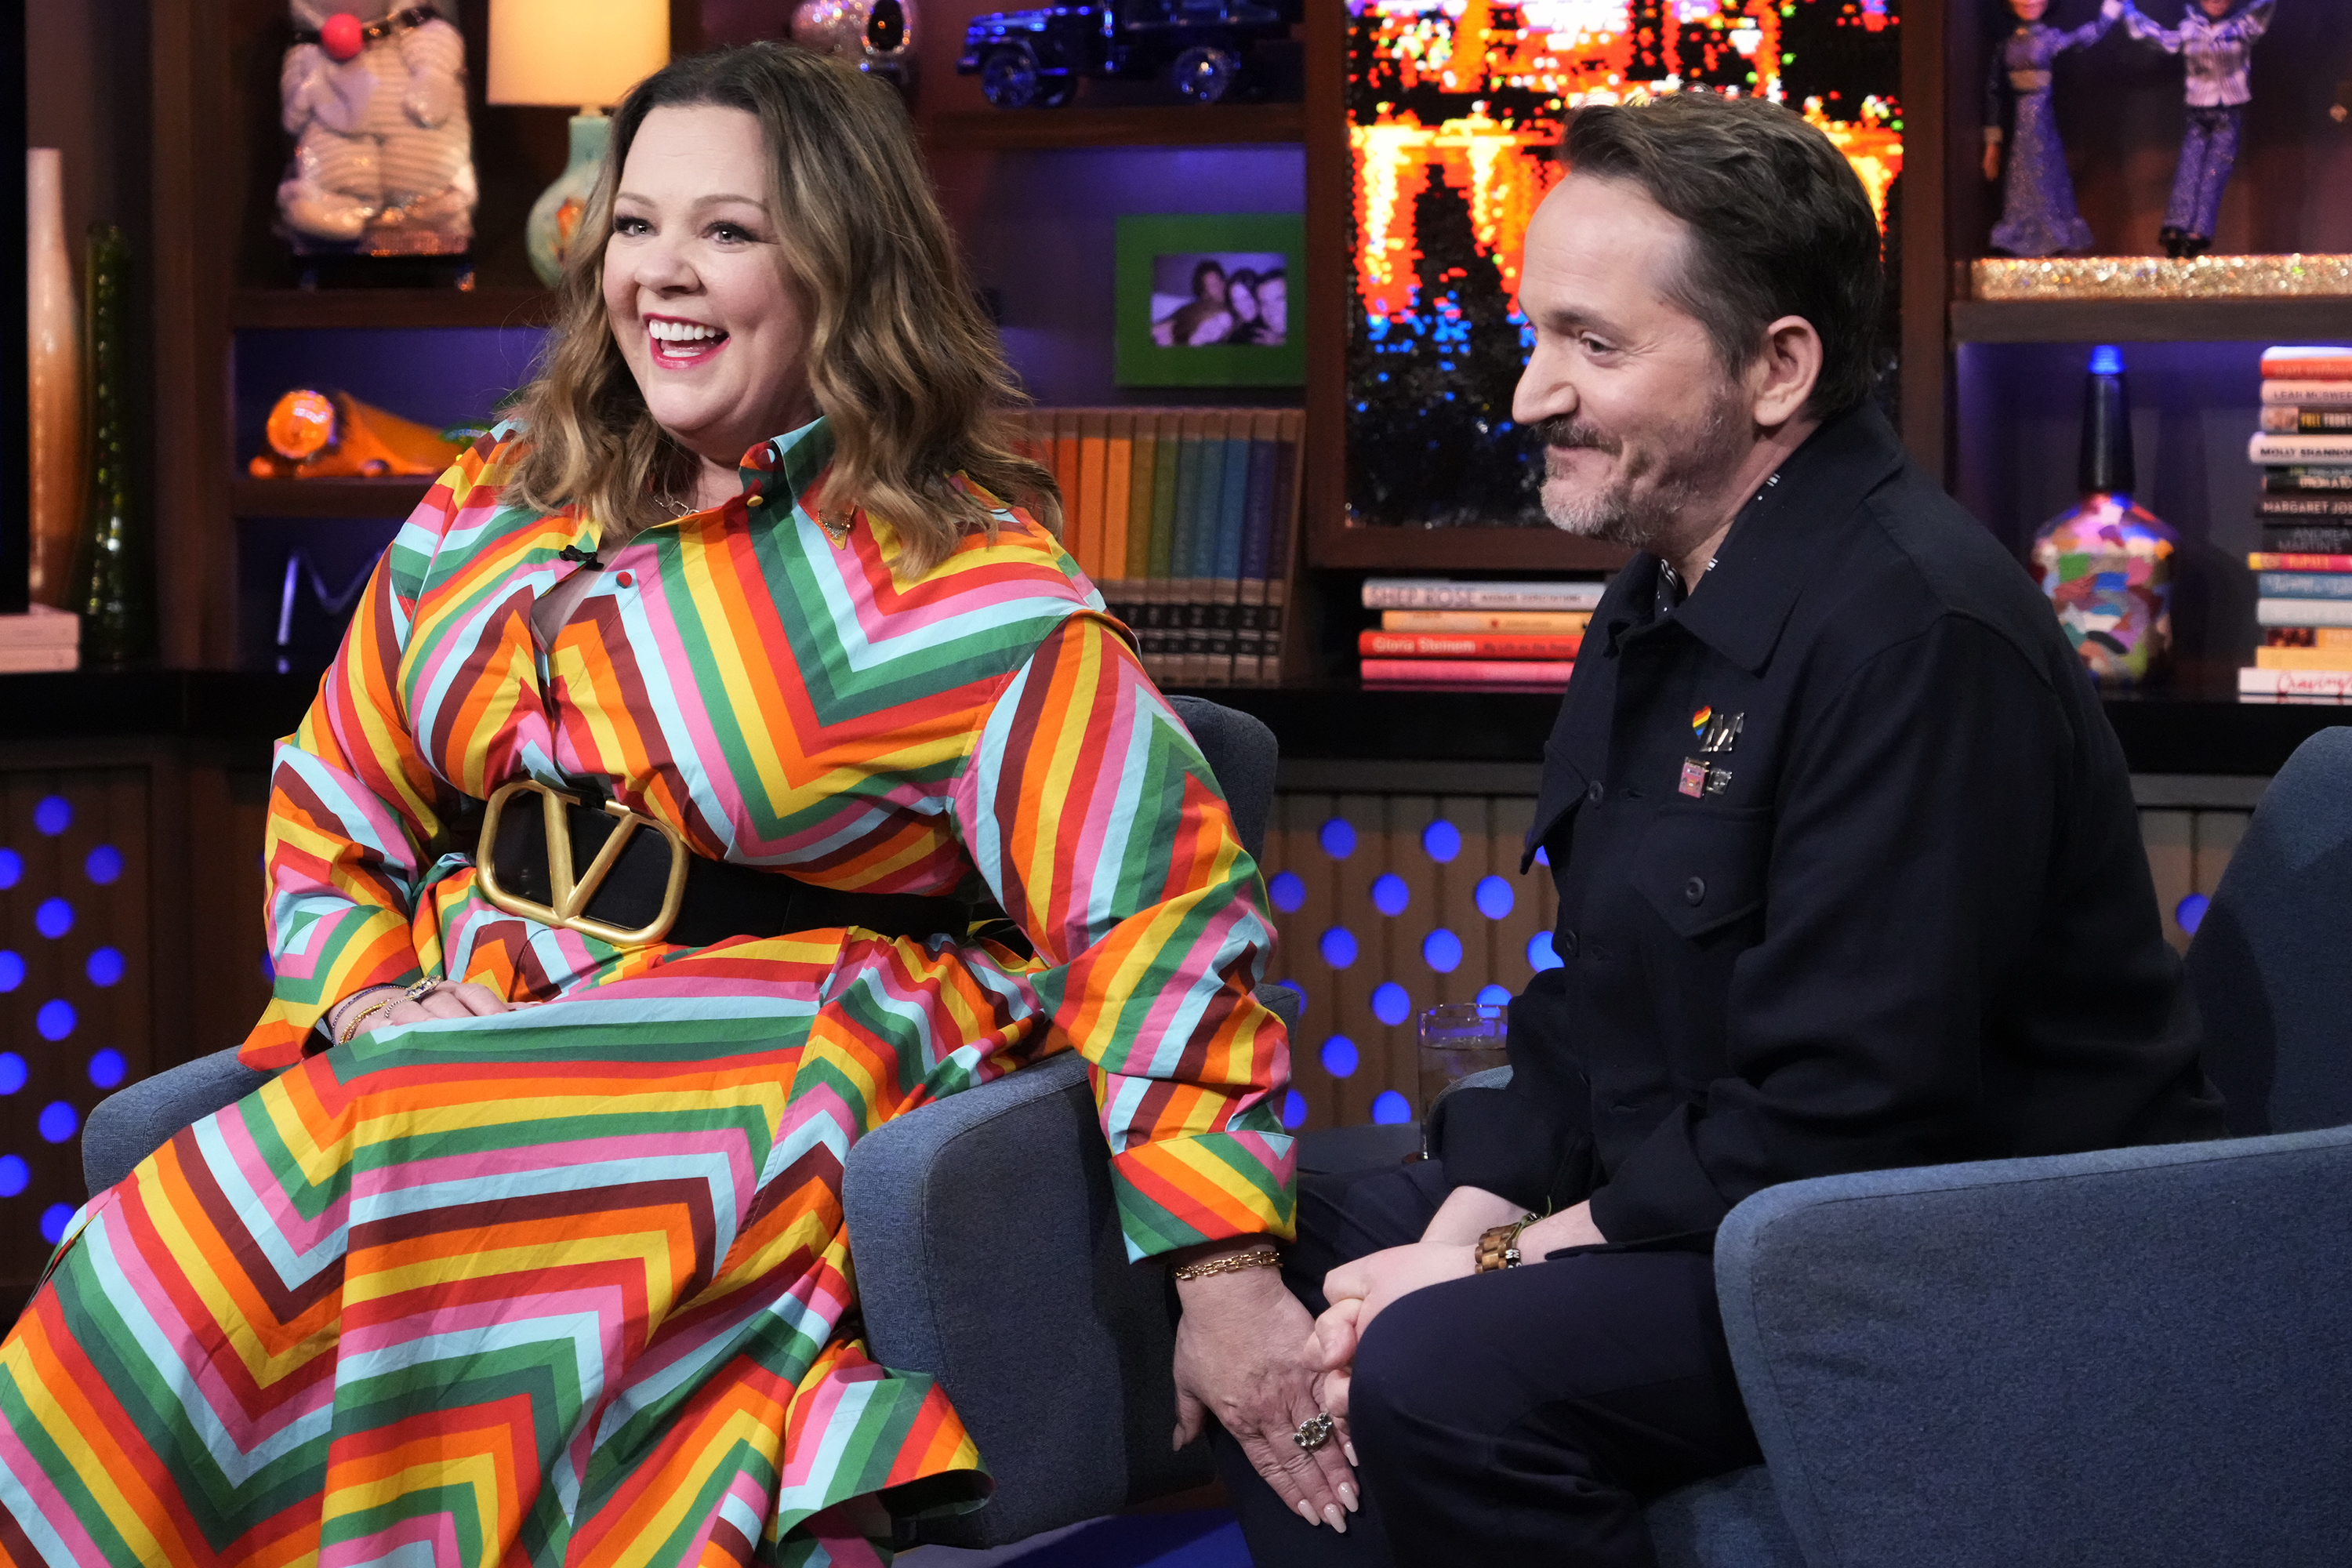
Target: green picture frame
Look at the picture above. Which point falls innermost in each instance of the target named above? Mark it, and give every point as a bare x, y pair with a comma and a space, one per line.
1167, 257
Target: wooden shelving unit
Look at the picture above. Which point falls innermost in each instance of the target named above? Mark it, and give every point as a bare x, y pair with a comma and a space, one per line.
1178, 125
327, 498
309, 309
2290, 319
1464, 549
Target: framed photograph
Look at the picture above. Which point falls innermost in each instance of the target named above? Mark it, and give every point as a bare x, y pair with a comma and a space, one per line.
1212, 300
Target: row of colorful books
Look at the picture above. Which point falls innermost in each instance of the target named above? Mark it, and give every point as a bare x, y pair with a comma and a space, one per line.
1187, 520
2303, 579
1439, 631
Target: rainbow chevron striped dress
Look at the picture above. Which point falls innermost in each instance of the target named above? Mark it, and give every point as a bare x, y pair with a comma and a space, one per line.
570, 1285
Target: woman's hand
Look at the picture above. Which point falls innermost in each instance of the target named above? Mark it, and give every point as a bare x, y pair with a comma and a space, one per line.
460, 999
1241, 1357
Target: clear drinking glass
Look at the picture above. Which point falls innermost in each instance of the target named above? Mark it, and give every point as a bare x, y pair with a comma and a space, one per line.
1456, 1040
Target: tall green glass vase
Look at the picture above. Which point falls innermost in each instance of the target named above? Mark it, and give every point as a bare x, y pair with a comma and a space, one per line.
113, 584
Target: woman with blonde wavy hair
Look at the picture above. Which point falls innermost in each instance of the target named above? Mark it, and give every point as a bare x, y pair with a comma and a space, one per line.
726, 758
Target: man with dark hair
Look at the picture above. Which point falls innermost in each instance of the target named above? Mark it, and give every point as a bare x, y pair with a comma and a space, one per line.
1849, 872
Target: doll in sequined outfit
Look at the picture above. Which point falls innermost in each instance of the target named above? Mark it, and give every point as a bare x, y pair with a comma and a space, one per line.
2037, 212
2213, 45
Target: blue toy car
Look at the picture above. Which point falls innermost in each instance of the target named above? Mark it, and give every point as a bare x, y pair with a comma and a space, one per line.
1036, 57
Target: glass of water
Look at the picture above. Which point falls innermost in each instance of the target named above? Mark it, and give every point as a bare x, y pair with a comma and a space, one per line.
1457, 1039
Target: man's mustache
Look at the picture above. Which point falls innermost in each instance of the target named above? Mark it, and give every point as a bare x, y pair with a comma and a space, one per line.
1563, 431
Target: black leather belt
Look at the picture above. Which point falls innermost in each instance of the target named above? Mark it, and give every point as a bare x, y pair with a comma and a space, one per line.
552, 858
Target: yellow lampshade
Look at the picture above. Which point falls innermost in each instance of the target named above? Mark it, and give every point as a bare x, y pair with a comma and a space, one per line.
574, 52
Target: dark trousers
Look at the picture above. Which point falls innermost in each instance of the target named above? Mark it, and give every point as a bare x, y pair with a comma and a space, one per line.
1519, 1418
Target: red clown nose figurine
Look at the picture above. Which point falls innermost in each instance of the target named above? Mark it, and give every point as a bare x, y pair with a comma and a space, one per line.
341, 36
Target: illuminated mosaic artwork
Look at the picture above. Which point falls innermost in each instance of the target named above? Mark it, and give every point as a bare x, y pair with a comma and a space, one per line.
1453, 108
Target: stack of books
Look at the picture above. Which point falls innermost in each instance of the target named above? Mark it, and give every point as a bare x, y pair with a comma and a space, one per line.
1187, 520
1436, 631
2304, 569
41, 638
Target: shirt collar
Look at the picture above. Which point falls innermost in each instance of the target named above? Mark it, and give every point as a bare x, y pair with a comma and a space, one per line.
780, 468
1772, 552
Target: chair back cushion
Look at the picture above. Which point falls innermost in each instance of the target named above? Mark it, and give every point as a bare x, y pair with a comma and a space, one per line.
1242, 753
2272, 961
2132, 1356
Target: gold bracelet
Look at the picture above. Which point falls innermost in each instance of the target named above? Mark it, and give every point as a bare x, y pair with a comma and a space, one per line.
344, 1037
1231, 1263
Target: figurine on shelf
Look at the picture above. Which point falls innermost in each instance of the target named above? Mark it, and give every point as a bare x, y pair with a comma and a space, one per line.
2213, 45
318, 435
2037, 212
374, 93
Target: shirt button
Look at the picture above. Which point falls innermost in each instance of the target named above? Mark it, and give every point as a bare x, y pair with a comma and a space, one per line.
755, 500
1694, 890
1568, 942
626, 580
1592, 792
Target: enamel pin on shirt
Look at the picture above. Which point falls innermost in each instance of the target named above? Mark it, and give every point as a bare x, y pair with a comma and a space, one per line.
1716, 733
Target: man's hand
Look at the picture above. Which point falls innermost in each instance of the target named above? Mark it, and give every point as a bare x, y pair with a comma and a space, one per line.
1369, 1283
462, 999
1241, 1356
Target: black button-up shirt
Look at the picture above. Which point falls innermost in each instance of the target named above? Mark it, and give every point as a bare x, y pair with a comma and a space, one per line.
1850, 875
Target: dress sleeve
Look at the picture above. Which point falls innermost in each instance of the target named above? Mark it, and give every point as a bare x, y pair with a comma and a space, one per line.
2147, 31
1092, 816
355, 813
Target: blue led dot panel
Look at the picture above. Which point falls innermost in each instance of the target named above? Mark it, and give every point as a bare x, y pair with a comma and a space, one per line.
15, 1176
12, 868
1494, 996
1287, 891
1389, 894
103, 865
56, 1020
1294, 1109
1391, 1003
1539, 952
12, 1072
1390, 1107
107, 1068
2189, 913
1442, 950
1338, 837
1338, 1056
54, 1220
53, 918
12, 970
104, 967
60, 1122
1441, 841
52, 814
1494, 897
1338, 947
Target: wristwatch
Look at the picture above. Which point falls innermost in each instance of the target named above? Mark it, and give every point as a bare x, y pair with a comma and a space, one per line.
1498, 1247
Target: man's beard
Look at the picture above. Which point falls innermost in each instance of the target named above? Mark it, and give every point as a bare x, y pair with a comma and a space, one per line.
1638, 518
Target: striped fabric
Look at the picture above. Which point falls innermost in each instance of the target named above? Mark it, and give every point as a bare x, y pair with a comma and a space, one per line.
571, 1285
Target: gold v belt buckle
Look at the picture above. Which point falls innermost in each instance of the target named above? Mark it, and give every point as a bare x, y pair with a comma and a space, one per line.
570, 894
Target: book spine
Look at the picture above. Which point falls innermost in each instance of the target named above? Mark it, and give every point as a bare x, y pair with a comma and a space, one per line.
1470, 671
1257, 541
2259, 682
2307, 479
1135, 566
2274, 450
2309, 394
2289, 561
2338, 638
1224, 574
2303, 612
1118, 457
1428, 645
28, 659
1536, 622
2285, 420
2303, 506
2313, 541
1400, 595
2303, 585
1282, 550
1065, 472
2335, 366
1092, 442
1167, 489
2303, 659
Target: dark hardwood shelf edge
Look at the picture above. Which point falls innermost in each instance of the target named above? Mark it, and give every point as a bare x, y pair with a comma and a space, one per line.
1460, 550
326, 497
1054, 129
2150, 320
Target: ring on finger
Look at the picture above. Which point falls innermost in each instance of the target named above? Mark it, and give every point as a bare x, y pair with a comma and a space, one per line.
421, 989
1315, 1431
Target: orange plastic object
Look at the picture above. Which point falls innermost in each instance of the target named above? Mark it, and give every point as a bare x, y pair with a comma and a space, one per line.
322, 435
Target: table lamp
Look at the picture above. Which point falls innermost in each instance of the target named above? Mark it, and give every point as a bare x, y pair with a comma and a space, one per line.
579, 53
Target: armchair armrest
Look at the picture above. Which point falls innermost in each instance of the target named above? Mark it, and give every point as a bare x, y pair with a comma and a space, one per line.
2136, 1355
